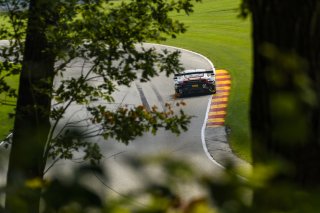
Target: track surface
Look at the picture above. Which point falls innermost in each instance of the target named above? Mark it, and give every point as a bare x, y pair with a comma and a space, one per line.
187, 146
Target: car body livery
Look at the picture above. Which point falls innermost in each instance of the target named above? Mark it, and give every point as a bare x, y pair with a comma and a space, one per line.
195, 81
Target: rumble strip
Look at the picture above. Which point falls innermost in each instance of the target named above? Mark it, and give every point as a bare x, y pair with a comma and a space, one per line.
219, 102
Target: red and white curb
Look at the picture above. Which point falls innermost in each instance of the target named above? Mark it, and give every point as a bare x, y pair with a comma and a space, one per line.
219, 101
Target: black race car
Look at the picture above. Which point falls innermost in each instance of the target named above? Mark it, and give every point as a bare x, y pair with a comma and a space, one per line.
195, 81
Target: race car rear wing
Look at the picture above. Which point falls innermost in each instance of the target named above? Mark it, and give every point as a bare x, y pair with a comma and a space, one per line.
190, 73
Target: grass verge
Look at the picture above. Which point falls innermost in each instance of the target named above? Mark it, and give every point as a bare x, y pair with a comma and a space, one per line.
7, 106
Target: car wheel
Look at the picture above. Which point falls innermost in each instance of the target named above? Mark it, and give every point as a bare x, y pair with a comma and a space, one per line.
180, 93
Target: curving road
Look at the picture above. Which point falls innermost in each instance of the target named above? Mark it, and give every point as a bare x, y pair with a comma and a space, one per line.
187, 146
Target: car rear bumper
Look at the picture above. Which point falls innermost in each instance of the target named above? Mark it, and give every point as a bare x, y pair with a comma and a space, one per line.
200, 88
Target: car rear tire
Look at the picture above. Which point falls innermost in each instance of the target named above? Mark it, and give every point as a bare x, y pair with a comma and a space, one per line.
180, 92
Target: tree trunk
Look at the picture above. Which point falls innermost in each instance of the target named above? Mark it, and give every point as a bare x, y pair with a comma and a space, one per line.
31, 126
285, 118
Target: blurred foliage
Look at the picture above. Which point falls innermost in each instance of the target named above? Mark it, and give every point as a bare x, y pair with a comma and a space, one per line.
156, 195
229, 193
291, 94
285, 105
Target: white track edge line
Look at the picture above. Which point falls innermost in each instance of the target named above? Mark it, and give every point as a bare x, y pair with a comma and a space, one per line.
203, 140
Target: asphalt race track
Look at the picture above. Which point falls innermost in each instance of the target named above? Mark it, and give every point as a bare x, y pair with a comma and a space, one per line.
187, 146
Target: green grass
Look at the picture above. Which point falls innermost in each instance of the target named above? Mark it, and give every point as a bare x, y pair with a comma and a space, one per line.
216, 32
4, 24
6, 107
6, 123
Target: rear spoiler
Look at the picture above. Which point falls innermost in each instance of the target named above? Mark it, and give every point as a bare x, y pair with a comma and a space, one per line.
190, 73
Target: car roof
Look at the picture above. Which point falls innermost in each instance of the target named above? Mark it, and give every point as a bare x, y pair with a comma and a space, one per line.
193, 71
